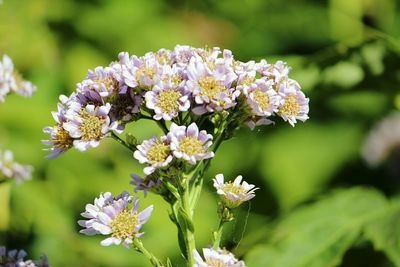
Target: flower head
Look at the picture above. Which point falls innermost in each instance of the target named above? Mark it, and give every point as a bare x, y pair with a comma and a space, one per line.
87, 125
234, 194
294, 104
156, 152
15, 258
216, 258
190, 144
13, 170
382, 140
112, 216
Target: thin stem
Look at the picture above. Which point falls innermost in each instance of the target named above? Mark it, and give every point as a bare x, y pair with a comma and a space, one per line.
218, 234
121, 141
162, 126
153, 260
188, 233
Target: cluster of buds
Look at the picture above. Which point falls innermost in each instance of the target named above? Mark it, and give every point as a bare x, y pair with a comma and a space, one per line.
15, 258
198, 98
10, 169
11, 81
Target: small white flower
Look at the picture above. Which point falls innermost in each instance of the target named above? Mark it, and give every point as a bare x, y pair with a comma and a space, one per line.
112, 216
234, 194
189, 143
294, 103
382, 140
216, 258
156, 152
13, 170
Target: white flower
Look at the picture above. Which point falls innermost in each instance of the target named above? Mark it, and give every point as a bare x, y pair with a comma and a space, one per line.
234, 194
382, 140
189, 143
156, 152
112, 216
216, 258
294, 104
13, 170
167, 100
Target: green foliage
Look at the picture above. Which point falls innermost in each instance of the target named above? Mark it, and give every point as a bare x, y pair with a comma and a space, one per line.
319, 234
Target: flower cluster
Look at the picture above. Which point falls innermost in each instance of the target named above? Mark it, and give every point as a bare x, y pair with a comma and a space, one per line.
184, 143
13, 170
11, 81
216, 258
112, 216
383, 139
15, 258
178, 86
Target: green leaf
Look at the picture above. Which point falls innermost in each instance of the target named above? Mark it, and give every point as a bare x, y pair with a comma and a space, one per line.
319, 234
384, 232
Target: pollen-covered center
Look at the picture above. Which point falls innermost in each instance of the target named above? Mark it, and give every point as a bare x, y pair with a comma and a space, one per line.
144, 71
234, 189
110, 83
216, 263
91, 126
211, 87
247, 80
158, 152
191, 146
124, 224
62, 139
291, 106
168, 101
262, 99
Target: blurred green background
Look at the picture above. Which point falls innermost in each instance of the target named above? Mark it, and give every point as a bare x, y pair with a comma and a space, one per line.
319, 203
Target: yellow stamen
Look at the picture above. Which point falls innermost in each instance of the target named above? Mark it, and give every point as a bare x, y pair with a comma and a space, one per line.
291, 106
262, 99
168, 100
191, 146
211, 87
158, 152
91, 126
124, 224
62, 139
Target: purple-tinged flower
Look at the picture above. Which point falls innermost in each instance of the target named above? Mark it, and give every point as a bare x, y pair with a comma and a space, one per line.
294, 105
149, 183
234, 194
12, 81
155, 152
13, 170
189, 143
276, 72
101, 80
15, 258
116, 219
167, 100
216, 258
262, 98
383, 140
210, 84
143, 72
88, 125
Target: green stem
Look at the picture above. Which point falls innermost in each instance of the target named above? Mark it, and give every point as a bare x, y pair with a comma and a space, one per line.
122, 142
153, 260
188, 233
218, 234
162, 125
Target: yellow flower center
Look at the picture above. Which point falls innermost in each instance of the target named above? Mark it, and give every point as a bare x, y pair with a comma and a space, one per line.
215, 263
144, 71
291, 106
261, 98
124, 224
176, 79
110, 84
91, 126
62, 138
191, 146
211, 87
247, 80
168, 100
234, 189
158, 152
